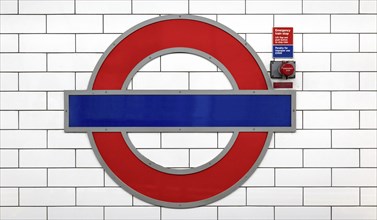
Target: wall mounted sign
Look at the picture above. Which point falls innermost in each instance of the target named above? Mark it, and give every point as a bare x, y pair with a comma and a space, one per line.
282, 42
107, 111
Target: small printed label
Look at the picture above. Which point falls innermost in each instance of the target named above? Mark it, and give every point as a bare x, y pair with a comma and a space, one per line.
283, 51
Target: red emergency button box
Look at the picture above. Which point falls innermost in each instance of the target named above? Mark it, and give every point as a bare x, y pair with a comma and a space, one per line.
282, 69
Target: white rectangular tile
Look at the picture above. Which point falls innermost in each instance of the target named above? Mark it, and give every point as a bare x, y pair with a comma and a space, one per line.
47, 43
331, 196
8, 158
368, 119
354, 62
75, 177
74, 213
209, 81
247, 23
94, 42
354, 139
369, 196
8, 42
41, 120
304, 139
103, 197
167, 157
22, 24
55, 100
331, 42
47, 81
23, 139
351, 23
282, 158
312, 100
330, 7
331, 158
121, 23
47, 158
302, 213
273, 7
185, 62
331, 81
72, 62
331, 119
354, 177
23, 177
349, 213
22, 62
303, 177
47, 196
160, 81
245, 213
8, 7
9, 197
24, 213
368, 157
46, 7
160, 7
74, 24
189, 140
209, 213
132, 213
8, 119
368, 81
304, 61
103, 7
217, 7
368, 42
274, 196
236, 198
8, 81
86, 158
22, 100
304, 23
60, 139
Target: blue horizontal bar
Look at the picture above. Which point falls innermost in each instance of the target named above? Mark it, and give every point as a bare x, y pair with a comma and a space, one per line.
180, 110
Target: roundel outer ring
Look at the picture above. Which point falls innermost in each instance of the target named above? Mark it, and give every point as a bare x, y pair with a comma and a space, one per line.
118, 65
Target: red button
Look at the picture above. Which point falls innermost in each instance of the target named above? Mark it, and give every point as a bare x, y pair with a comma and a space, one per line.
287, 69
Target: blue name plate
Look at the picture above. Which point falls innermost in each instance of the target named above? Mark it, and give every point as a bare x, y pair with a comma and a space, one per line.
133, 111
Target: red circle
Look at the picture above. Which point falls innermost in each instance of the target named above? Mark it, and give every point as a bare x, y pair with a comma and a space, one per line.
134, 173
287, 69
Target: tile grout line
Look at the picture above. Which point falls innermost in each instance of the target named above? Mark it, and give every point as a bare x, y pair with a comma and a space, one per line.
245, 7
160, 213
217, 212
103, 212
132, 6
18, 196
358, 6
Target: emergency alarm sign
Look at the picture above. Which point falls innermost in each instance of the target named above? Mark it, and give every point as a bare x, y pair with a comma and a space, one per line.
106, 111
282, 38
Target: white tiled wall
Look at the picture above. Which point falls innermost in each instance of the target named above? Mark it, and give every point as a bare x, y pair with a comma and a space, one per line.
326, 170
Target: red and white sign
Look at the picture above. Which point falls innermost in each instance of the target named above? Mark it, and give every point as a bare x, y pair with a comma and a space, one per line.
282, 36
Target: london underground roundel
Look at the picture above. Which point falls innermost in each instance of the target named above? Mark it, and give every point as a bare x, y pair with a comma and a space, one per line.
107, 111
